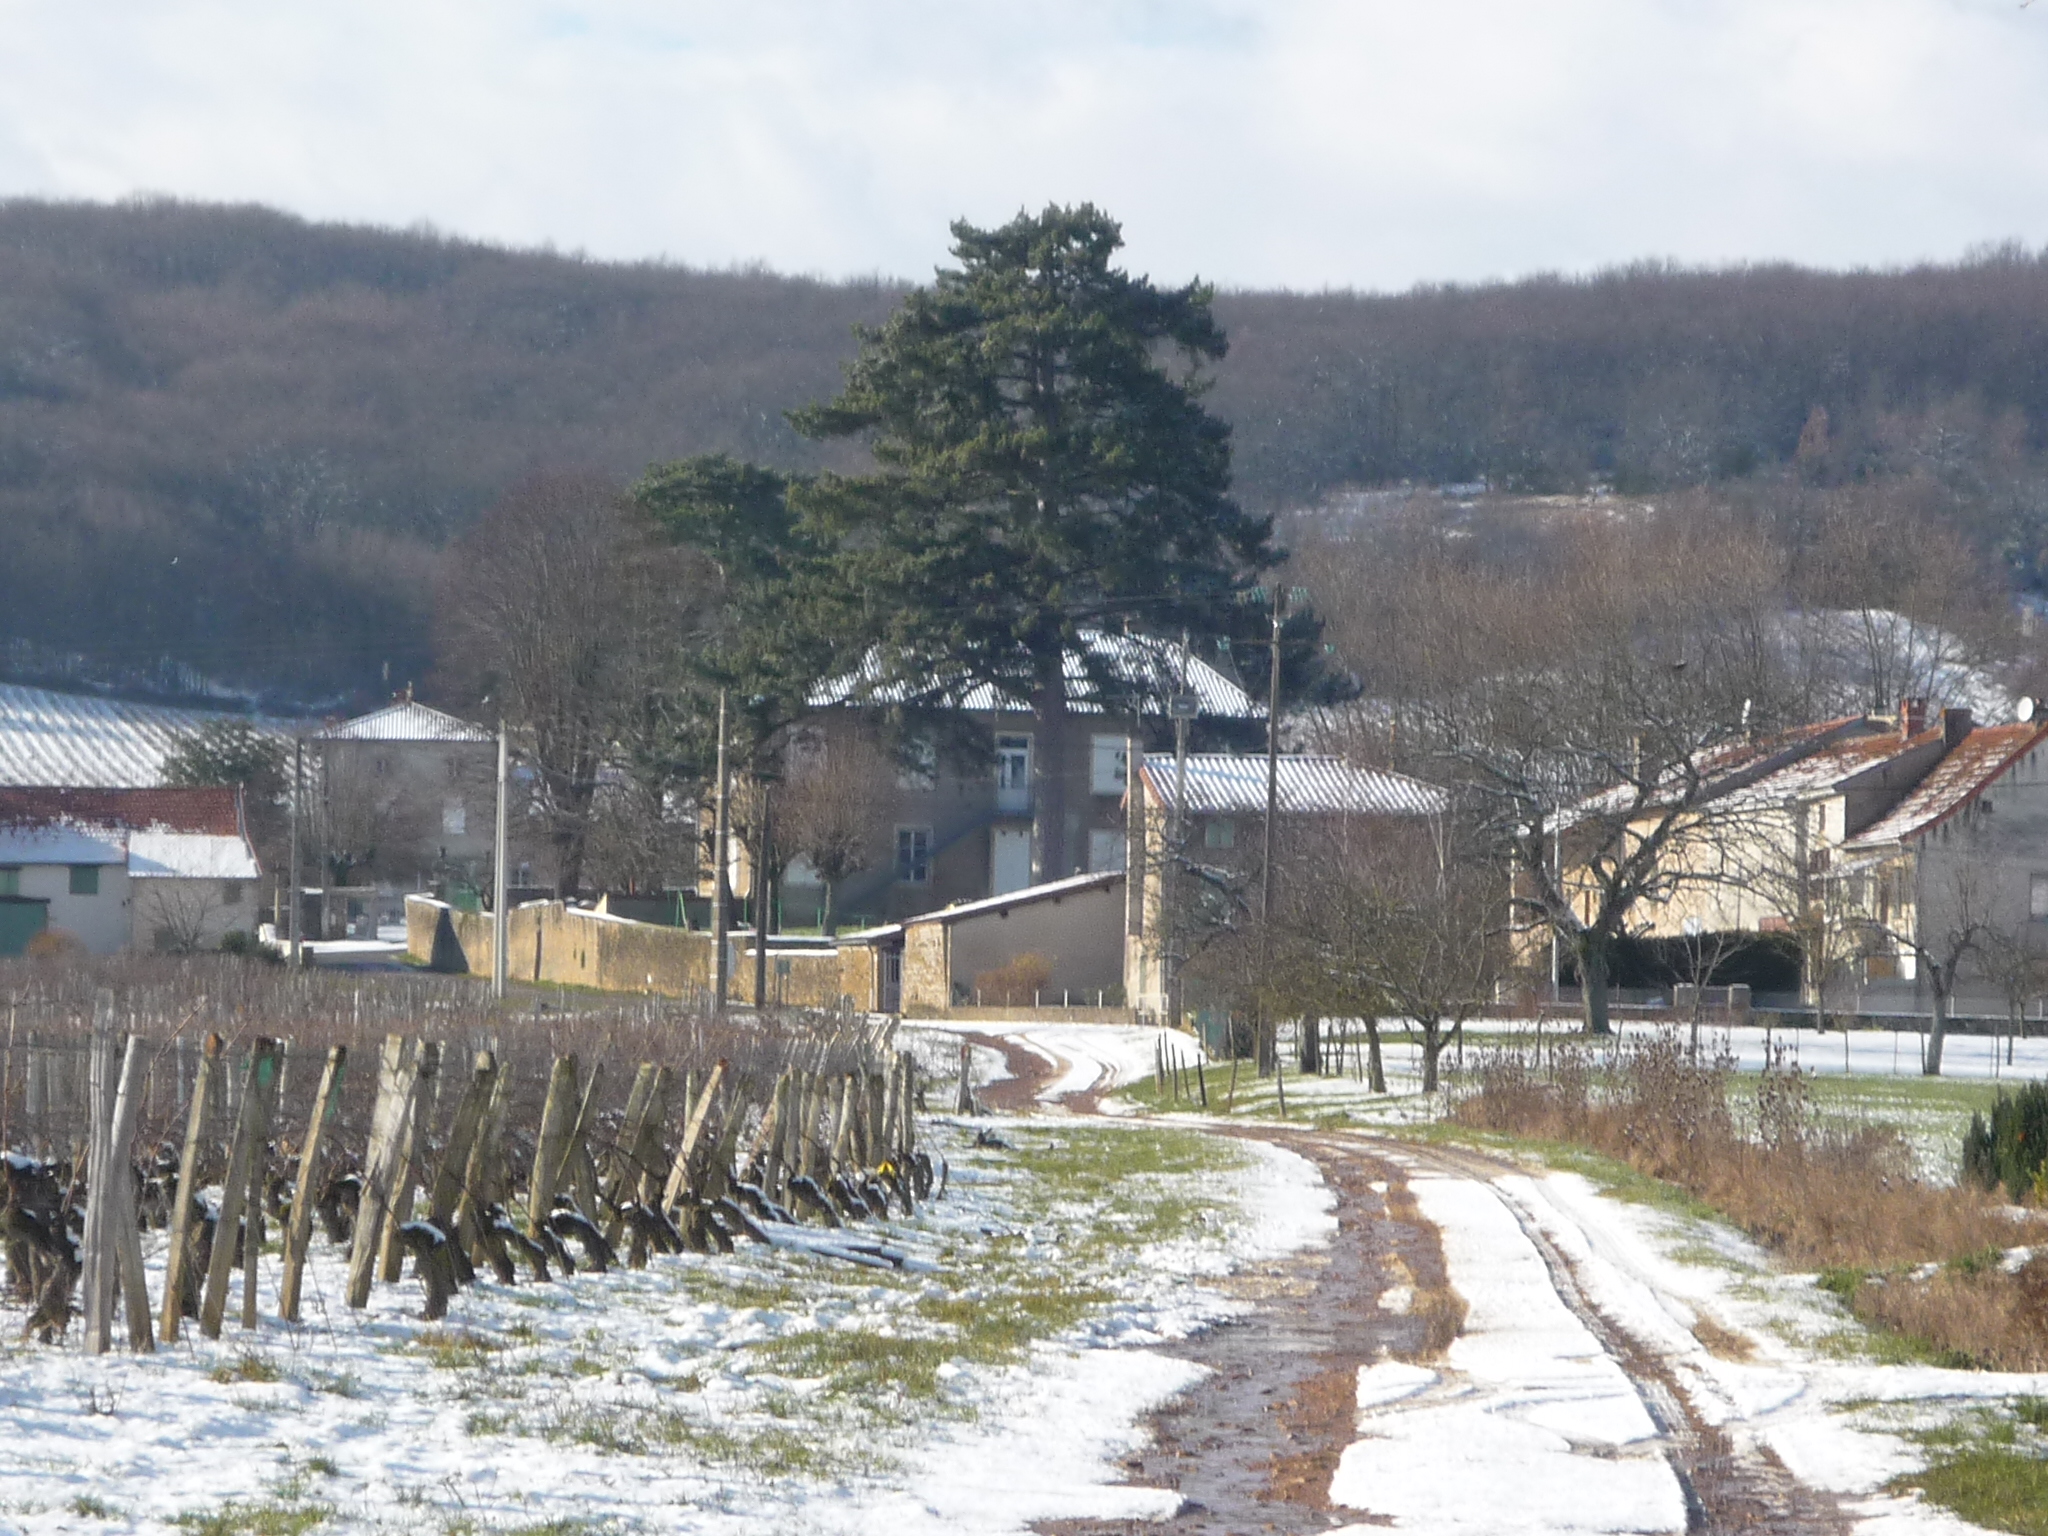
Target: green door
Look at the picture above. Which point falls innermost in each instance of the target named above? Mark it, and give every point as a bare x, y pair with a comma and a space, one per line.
21, 919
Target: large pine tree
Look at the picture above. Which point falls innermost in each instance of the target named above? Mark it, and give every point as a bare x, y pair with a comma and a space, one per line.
1044, 465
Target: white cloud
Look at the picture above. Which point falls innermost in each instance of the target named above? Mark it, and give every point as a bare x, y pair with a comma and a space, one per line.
1302, 142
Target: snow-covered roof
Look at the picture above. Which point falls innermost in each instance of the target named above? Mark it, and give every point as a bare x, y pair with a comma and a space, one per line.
1148, 668
1222, 783
1052, 890
1968, 769
188, 834
48, 737
407, 720
62, 845
162, 855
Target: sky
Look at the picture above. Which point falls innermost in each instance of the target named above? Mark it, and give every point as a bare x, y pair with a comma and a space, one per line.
1306, 144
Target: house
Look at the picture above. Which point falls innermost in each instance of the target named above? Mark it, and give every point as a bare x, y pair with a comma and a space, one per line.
1221, 804
1869, 843
125, 869
405, 798
956, 827
1060, 944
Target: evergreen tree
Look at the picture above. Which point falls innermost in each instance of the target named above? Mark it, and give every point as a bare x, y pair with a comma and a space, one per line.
1044, 465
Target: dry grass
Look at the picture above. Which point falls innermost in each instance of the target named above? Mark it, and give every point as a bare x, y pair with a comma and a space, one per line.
1844, 1201
1820, 1196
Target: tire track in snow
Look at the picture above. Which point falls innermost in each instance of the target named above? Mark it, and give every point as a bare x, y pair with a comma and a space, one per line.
1730, 1485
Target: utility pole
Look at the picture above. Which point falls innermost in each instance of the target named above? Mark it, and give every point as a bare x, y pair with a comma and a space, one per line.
1272, 814
298, 810
1183, 713
761, 836
720, 917
501, 937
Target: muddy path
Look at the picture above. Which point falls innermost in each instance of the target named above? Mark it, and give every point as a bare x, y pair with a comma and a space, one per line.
1251, 1446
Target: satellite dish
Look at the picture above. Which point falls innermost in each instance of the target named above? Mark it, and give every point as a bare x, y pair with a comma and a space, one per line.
2024, 710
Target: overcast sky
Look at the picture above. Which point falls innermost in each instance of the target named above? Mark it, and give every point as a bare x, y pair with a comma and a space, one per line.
1298, 143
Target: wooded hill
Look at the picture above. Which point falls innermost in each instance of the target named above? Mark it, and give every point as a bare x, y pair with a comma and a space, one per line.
240, 439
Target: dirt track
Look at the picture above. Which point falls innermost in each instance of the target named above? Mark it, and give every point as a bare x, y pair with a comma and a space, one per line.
1251, 1447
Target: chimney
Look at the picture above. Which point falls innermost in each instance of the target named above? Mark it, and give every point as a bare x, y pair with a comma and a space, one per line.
1912, 718
1955, 725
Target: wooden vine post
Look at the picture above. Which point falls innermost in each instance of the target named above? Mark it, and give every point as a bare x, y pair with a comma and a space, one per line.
178, 1264
251, 1132
298, 1232
395, 1074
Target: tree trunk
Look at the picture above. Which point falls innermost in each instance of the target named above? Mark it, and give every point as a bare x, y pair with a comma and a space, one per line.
1311, 1044
1432, 1049
1375, 1066
1937, 1028
1593, 983
828, 918
1050, 857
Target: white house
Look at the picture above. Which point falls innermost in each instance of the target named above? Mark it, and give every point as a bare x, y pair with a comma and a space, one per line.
122, 869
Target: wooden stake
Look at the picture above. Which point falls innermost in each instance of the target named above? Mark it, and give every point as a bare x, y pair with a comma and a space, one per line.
234, 1191
419, 1126
127, 1231
686, 1150
557, 1119
395, 1073
298, 1231
179, 1259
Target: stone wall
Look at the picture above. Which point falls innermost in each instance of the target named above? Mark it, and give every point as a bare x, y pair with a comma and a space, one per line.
567, 946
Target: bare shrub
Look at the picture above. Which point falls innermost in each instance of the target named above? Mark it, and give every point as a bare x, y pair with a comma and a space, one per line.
1015, 984
1817, 1194
1966, 1314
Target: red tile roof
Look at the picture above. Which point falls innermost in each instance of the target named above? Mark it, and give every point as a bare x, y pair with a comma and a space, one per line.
1969, 767
214, 811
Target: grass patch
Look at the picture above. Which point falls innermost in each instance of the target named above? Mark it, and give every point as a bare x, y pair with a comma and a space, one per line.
247, 1366
266, 1519
93, 1509
1989, 1466
455, 1349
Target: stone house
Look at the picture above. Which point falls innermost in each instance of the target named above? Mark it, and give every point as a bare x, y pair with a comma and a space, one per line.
1221, 829
957, 824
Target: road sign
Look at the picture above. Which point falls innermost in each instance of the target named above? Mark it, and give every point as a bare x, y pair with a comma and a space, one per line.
1183, 706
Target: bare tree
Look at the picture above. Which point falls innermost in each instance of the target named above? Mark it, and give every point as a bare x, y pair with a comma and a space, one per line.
180, 913
836, 792
363, 824
1407, 916
567, 614
2016, 958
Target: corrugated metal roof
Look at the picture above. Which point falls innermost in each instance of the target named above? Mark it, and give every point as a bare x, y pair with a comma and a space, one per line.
1230, 784
79, 740
407, 720
1965, 772
1146, 666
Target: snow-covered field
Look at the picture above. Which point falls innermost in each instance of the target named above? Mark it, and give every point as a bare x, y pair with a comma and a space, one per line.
989, 1383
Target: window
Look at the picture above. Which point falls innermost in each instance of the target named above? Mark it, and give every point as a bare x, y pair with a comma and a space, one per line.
1105, 850
85, 879
10, 879
231, 893
454, 817
2037, 898
1013, 773
1219, 834
918, 766
1106, 765
914, 854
